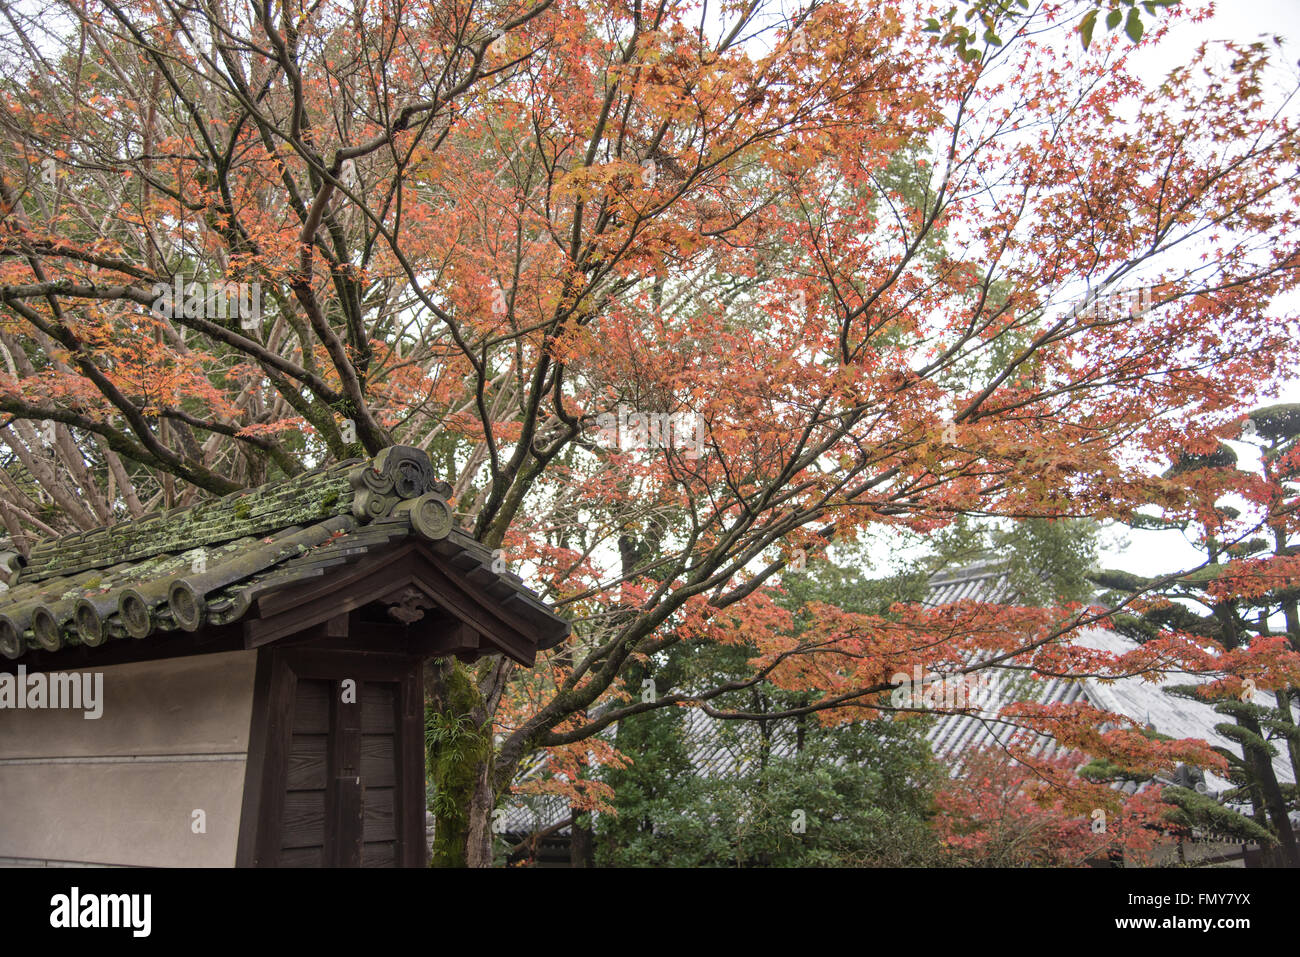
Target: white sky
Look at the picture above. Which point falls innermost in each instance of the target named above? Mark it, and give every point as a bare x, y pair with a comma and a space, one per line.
1242, 21
1151, 553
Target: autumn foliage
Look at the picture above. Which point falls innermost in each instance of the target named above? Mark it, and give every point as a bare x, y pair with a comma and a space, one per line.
877, 273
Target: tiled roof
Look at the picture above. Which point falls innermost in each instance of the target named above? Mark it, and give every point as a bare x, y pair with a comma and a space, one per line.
979, 581
1134, 697
721, 748
206, 564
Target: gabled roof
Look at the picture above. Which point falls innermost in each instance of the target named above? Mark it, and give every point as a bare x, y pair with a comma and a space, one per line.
255, 553
1145, 702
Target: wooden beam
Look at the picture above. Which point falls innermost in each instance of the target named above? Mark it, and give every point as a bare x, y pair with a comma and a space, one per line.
119, 651
275, 766
409, 750
255, 765
344, 793
387, 580
283, 612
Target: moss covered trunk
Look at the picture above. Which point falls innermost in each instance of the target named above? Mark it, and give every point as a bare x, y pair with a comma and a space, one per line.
458, 739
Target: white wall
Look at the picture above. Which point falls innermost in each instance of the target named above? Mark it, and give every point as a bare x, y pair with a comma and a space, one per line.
122, 789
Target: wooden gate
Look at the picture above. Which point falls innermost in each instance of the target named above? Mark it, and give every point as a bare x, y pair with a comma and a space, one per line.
341, 763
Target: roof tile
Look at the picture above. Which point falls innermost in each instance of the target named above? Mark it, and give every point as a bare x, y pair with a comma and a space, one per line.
208, 562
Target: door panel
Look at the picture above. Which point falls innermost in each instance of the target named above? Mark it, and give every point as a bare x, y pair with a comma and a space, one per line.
344, 785
302, 821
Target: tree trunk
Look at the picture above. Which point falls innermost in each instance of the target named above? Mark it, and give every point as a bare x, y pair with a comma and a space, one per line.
478, 840
1287, 853
459, 745
582, 846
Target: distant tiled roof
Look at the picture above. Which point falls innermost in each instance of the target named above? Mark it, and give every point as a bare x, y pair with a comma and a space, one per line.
978, 581
720, 748
206, 564
1143, 701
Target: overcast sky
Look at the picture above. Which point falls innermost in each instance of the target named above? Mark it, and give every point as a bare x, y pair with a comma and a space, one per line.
1242, 21
1146, 552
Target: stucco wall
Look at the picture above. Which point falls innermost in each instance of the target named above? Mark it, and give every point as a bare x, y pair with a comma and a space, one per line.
122, 789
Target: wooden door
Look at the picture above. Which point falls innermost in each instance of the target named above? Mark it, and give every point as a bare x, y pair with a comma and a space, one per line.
343, 770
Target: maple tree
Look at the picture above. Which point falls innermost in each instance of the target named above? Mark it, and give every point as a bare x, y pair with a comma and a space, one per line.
976, 31
870, 282
997, 813
1246, 597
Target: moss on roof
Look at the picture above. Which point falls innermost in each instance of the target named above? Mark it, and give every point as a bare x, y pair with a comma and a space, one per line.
204, 564
310, 497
